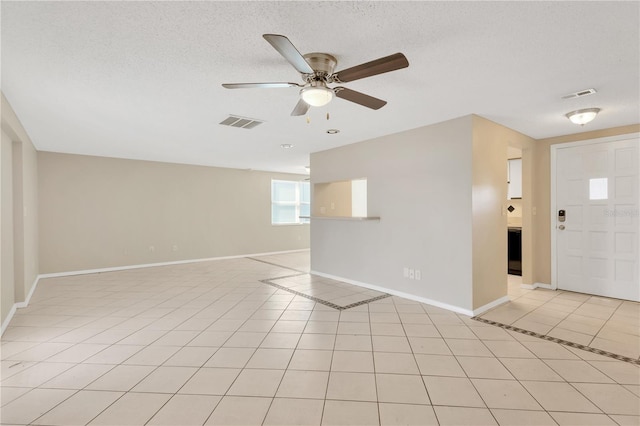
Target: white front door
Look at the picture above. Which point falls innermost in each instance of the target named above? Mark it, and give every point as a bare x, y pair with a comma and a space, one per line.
597, 186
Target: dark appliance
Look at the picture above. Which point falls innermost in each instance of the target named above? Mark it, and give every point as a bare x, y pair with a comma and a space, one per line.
515, 251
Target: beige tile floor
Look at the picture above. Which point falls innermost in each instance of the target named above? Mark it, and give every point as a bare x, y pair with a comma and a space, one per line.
611, 325
208, 343
335, 293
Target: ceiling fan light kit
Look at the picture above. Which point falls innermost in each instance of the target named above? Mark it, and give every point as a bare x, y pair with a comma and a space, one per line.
583, 116
317, 70
316, 96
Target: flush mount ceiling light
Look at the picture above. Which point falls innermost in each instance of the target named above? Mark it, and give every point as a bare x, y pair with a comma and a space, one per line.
583, 116
317, 95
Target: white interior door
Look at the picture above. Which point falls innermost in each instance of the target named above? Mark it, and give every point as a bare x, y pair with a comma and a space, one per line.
597, 185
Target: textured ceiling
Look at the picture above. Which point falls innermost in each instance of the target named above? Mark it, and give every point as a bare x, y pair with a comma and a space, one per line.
142, 80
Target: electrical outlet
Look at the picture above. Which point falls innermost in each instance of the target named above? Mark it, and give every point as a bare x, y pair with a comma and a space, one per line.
174, 247
152, 249
412, 274
418, 275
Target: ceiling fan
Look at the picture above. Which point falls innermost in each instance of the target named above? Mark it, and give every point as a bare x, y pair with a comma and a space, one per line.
316, 70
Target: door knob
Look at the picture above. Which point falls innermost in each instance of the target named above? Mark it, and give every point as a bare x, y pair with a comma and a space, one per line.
561, 227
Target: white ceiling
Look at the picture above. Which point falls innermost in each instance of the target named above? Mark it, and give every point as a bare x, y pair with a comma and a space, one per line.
142, 80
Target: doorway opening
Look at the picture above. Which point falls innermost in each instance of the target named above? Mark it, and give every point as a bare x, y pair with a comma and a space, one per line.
514, 211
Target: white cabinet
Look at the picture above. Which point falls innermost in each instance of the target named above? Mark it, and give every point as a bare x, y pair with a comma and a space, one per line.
515, 178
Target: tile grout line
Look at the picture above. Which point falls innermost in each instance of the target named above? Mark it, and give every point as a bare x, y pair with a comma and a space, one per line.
275, 264
333, 351
525, 388
270, 282
595, 334
288, 363
248, 298
315, 299
560, 341
564, 318
571, 384
247, 363
402, 324
373, 360
465, 372
539, 306
604, 324
147, 345
156, 367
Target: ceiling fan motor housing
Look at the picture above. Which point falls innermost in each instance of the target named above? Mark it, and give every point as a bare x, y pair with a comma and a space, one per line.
322, 63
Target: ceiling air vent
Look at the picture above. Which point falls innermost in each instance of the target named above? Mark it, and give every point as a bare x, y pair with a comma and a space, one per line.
581, 93
241, 122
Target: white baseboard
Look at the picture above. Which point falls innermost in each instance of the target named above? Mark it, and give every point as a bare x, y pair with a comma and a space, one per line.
28, 299
490, 305
19, 305
7, 320
536, 285
151, 265
424, 300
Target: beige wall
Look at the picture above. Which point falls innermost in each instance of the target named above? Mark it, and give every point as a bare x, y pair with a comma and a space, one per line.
491, 143
98, 212
542, 194
19, 245
332, 199
489, 195
514, 218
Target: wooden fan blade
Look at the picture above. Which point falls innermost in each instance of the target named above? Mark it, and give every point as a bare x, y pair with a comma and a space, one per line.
359, 98
379, 66
258, 85
301, 108
289, 51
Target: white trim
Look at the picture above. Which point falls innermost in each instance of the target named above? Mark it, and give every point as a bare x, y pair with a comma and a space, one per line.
28, 299
435, 303
151, 265
491, 305
552, 213
554, 148
19, 305
536, 285
7, 320
604, 139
